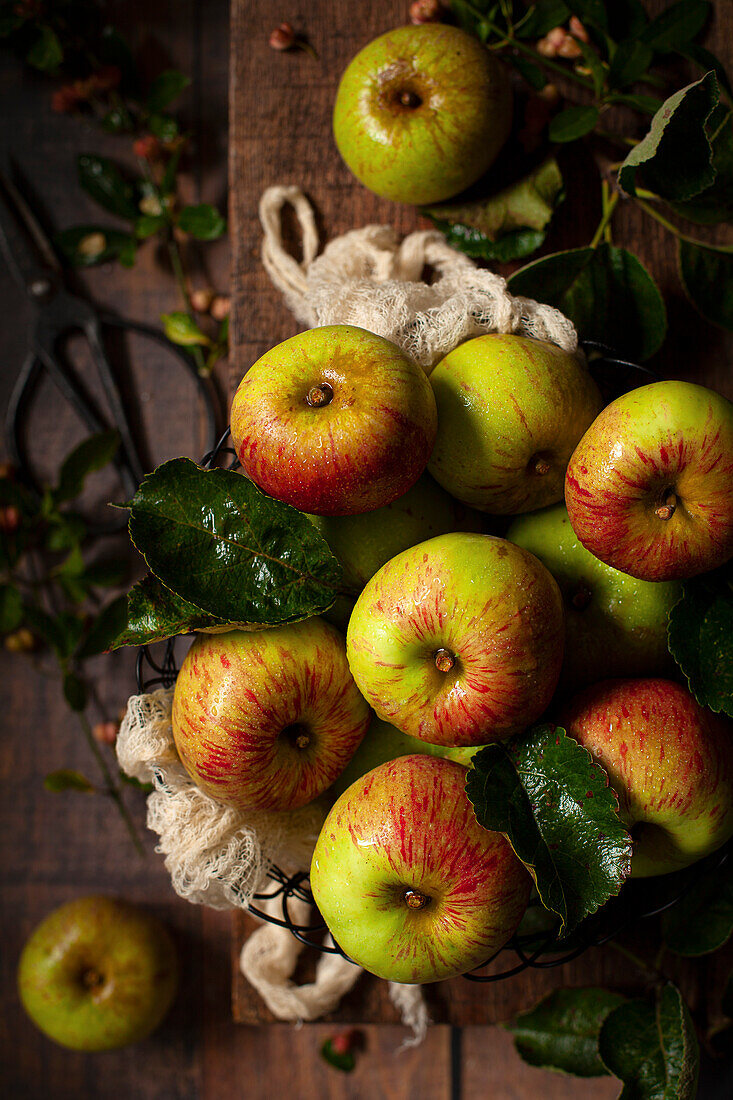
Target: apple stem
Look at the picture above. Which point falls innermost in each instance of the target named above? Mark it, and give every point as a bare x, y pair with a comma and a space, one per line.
320, 395
415, 900
647, 968
444, 660
667, 508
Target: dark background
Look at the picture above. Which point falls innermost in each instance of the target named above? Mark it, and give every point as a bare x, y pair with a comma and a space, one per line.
56, 847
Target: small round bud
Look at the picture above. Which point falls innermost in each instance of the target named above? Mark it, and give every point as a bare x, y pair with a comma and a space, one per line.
201, 299
577, 29
105, 733
282, 37
92, 245
426, 11
550, 94
9, 519
220, 307
569, 48
20, 641
150, 204
66, 99
344, 1041
146, 147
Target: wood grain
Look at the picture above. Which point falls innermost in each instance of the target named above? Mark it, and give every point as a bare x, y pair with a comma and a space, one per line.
281, 108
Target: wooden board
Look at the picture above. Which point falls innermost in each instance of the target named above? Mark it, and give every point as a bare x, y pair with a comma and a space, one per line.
280, 127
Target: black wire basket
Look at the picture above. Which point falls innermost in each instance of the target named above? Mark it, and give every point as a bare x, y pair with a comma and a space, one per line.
540, 948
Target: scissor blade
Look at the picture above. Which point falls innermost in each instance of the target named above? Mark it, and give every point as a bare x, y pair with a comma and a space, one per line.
28, 263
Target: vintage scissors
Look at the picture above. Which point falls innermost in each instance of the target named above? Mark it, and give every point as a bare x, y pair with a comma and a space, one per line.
56, 314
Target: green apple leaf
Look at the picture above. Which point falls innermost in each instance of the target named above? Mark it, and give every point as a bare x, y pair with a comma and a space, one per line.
573, 123
707, 278
702, 920
541, 18
544, 791
103, 182
219, 542
700, 638
606, 292
11, 608
91, 455
345, 1060
675, 159
652, 1048
107, 244
204, 222
561, 1032
507, 225
153, 613
166, 87
715, 204
67, 780
677, 25
630, 61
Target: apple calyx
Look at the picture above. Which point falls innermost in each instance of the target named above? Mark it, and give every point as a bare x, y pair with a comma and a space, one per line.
415, 900
667, 508
91, 979
444, 660
320, 395
297, 735
539, 465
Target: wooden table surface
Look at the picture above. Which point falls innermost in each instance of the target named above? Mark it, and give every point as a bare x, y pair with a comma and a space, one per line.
58, 847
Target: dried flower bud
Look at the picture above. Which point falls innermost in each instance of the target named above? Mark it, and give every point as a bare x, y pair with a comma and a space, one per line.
426, 11
66, 99
7, 471
577, 29
9, 519
92, 245
180, 235
569, 48
20, 641
283, 37
344, 1041
220, 307
201, 299
106, 732
550, 94
146, 147
150, 204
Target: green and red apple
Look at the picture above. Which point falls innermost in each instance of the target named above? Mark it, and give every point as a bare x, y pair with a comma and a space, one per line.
649, 489
98, 974
615, 625
383, 743
411, 887
670, 763
334, 421
510, 412
458, 641
422, 112
268, 719
365, 542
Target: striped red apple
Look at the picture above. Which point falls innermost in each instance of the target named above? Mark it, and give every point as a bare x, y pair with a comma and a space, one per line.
267, 719
411, 887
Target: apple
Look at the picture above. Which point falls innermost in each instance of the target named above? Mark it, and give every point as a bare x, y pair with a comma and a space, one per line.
267, 719
97, 974
649, 489
410, 886
458, 641
422, 112
510, 411
382, 743
363, 543
670, 763
334, 421
615, 625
